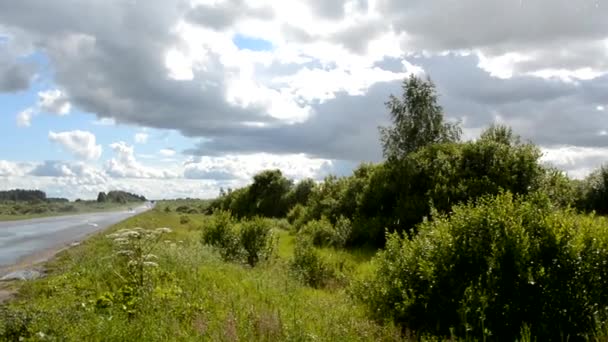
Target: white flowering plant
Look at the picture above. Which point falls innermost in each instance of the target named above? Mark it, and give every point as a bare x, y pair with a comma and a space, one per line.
134, 248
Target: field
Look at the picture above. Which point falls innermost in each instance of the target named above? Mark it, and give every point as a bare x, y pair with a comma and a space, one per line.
26, 210
192, 294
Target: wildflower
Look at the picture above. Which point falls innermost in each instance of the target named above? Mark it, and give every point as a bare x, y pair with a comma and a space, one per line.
150, 264
121, 241
124, 252
150, 256
163, 230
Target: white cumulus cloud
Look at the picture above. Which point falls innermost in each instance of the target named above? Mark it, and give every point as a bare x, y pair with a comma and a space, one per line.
54, 101
81, 144
141, 138
125, 165
24, 118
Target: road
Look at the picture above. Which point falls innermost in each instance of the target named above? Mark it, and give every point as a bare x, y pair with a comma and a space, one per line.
32, 241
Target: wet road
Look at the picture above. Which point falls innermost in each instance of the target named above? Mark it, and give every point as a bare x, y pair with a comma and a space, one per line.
24, 239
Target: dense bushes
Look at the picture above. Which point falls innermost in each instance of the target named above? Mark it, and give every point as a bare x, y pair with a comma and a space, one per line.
593, 192
494, 269
323, 233
221, 234
248, 241
270, 195
256, 240
309, 266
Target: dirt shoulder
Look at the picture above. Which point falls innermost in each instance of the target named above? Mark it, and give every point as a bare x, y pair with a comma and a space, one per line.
33, 262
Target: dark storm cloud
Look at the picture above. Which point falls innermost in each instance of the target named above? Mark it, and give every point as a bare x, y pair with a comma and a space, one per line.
342, 128
548, 112
14, 76
223, 15
465, 24
108, 56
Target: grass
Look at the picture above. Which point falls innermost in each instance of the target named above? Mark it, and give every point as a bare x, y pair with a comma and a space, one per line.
193, 295
11, 211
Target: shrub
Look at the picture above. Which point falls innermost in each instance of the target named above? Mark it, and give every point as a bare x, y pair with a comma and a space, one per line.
256, 239
184, 219
342, 232
282, 224
184, 209
321, 232
497, 268
308, 266
221, 234
15, 325
297, 216
594, 192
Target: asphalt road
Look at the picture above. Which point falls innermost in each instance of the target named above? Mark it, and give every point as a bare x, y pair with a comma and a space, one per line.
26, 239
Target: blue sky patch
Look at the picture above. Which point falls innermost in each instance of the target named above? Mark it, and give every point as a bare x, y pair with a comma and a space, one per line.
250, 43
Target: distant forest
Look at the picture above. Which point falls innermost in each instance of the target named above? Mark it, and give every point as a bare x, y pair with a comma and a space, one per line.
22, 195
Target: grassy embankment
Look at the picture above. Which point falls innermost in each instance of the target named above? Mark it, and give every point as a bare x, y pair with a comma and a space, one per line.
192, 294
25, 210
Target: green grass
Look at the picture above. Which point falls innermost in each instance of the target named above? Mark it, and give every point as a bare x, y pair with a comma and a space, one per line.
23, 210
193, 295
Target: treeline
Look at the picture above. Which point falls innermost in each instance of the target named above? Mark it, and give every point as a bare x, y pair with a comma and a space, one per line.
118, 196
22, 195
481, 240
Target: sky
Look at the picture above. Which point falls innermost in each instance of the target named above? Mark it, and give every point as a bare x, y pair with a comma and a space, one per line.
177, 98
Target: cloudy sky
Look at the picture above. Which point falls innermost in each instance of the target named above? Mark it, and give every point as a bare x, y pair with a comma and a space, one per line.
175, 98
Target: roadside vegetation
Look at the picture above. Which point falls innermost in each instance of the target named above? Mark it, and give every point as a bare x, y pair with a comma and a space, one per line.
444, 240
24, 204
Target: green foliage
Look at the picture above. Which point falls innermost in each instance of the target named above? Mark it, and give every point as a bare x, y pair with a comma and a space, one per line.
500, 134
308, 265
102, 197
561, 190
256, 239
221, 233
133, 251
184, 219
268, 194
417, 120
495, 269
118, 196
249, 241
594, 192
196, 296
21, 195
297, 216
321, 232
301, 192
15, 324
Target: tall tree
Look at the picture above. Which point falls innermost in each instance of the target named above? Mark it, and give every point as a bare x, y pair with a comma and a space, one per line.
102, 197
501, 134
417, 120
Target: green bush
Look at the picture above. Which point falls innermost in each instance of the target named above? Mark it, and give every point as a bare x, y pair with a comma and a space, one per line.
256, 239
221, 233
308, 266
184, 219
496, 269
342, 232
15, 325
297, 216
594, 192
321, 232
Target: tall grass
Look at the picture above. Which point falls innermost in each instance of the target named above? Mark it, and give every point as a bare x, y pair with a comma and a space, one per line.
193, 295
